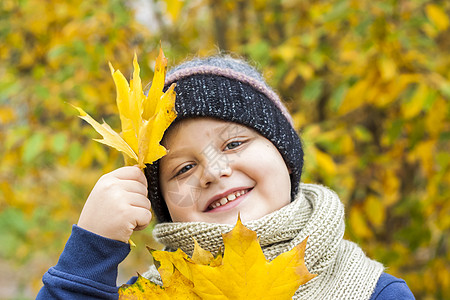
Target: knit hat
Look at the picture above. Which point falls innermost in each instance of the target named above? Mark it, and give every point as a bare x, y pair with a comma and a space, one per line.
229, 89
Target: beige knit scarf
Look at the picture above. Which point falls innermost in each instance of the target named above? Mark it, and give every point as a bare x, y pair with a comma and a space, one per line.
344, 272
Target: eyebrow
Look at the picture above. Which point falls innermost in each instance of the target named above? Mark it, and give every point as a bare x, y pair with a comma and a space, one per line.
220, 128
169, 158
223, 127
178, 153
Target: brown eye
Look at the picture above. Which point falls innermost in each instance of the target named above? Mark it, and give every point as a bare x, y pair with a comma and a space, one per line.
233, 145
184, 169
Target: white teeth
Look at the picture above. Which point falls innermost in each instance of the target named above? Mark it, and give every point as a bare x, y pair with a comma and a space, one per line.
227, 199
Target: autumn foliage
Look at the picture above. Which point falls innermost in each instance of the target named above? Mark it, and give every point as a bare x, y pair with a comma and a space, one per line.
242, 272
368, 84
144, 118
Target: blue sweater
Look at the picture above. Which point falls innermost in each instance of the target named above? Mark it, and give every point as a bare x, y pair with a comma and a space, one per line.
87, 269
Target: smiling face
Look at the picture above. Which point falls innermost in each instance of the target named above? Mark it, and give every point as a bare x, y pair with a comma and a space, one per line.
216, 169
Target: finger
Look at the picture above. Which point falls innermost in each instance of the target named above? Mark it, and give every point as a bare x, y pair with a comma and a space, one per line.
139, 201
143, 218
130, 173
132, 186
139, 228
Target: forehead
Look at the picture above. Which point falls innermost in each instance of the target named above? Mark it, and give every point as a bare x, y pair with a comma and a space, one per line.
212, 128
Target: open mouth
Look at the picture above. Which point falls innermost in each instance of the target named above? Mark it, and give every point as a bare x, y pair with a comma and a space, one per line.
229, 198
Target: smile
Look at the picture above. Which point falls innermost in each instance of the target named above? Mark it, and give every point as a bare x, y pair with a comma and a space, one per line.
229, 198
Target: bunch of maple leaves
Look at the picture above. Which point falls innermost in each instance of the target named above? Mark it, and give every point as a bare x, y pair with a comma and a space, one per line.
242, 271
144, 119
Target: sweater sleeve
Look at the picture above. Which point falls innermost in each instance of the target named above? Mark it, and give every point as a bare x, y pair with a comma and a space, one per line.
87, 268
391, 288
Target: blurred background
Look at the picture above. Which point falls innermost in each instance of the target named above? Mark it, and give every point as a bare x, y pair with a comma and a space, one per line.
368, 84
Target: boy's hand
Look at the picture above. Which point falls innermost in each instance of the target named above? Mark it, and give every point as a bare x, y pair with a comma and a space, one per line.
117, 205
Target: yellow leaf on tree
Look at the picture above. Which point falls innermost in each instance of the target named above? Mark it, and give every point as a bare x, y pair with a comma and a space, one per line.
388, 68
375, 211
325, 162
355, 97
7, 115
243, 272
358, 223
437, 118
437, 16
415, 105
174, 8
144, 119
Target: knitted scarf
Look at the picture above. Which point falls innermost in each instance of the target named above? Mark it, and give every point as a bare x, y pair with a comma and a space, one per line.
344, 272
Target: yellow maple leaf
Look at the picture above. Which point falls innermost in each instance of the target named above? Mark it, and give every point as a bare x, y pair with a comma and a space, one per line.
144, 119
243, 272
110, 137
181, 288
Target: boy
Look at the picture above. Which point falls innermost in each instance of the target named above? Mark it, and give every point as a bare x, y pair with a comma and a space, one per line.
232, 149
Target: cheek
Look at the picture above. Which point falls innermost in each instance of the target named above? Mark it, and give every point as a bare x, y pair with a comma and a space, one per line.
274, 173
180, 196
266, 158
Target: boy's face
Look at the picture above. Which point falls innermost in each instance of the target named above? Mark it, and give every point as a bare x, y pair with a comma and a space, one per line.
216, 169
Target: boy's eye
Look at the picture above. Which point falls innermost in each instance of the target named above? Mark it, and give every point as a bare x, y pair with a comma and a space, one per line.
184, 169
233, 145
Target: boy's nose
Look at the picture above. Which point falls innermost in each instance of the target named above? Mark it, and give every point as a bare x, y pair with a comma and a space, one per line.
213, 172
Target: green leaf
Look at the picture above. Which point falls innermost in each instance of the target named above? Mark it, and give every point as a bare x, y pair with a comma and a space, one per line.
338, 12
337, 96
33, 147
312, 90
75, 151
258, 52
59, 143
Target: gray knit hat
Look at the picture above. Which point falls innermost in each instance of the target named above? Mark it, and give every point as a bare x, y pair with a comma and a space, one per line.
229, 89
